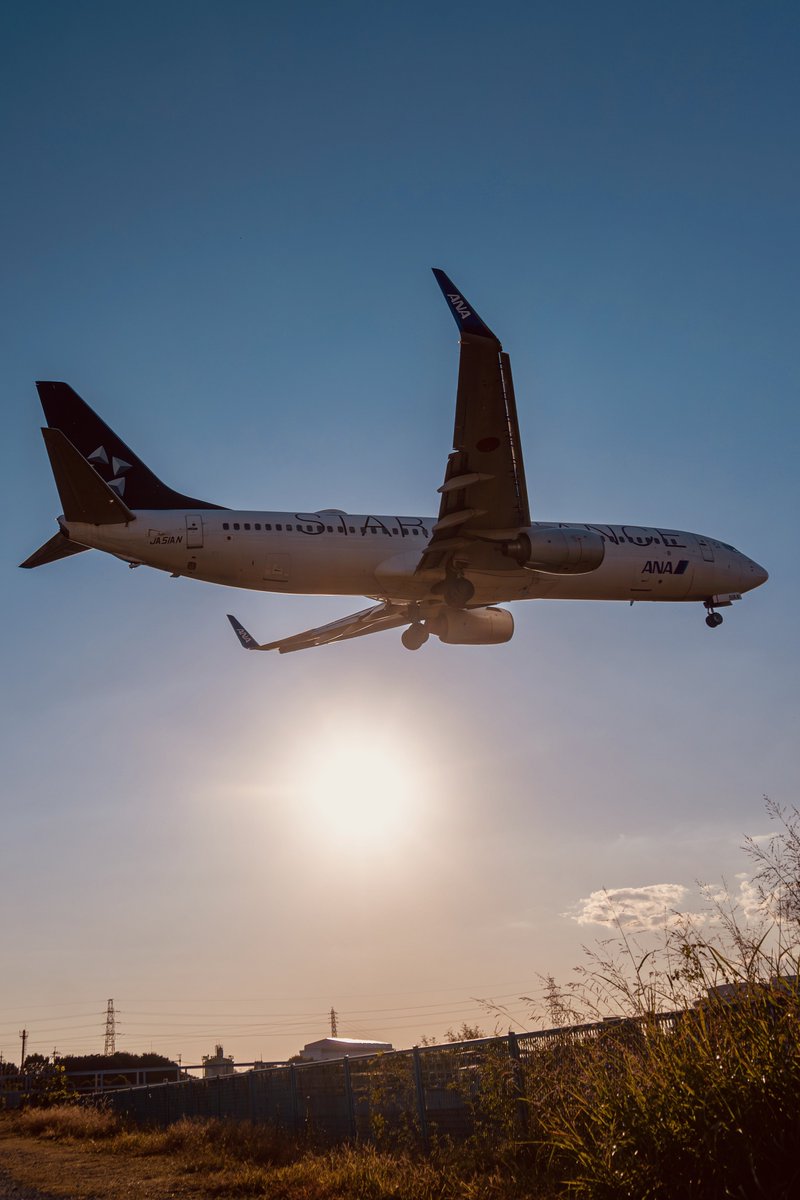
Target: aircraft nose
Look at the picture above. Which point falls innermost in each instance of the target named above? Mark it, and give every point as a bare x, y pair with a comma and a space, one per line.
756, 575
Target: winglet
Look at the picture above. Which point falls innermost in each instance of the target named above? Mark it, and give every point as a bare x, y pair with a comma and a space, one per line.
464, 314
247, 639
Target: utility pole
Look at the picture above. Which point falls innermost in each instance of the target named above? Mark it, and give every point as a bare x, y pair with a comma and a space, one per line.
334, 1032
111, 1029
23, 1033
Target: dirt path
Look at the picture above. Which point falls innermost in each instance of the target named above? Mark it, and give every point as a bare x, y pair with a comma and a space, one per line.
37, 1169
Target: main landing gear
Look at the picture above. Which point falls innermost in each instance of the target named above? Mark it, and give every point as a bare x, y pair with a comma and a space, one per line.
457, 591
714, 618
415, 636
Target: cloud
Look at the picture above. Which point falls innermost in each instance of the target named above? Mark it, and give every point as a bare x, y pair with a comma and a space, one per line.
633, 908
754, 906
657, 905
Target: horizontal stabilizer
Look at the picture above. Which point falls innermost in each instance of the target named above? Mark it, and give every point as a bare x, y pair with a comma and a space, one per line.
58, 547
84, 495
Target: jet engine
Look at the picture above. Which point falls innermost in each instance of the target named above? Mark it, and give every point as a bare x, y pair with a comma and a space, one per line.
472, 627
557, 551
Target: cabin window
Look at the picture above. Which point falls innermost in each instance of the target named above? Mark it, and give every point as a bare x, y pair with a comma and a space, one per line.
330, 528
288, 529
235, 524
350, 527
246, 525
394, 531
225, 525
257, 525
279, 528
415, 532
268, 528
340, 529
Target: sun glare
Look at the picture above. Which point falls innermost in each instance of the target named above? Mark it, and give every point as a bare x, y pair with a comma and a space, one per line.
362, 791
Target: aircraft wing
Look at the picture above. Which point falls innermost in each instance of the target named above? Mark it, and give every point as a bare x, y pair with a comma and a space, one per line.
369, 620
484, 491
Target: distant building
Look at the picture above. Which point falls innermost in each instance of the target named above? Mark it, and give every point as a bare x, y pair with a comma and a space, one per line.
217, 1064
336, 1047
740, 990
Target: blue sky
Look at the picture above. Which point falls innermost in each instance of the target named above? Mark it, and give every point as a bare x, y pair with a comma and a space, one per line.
218, 222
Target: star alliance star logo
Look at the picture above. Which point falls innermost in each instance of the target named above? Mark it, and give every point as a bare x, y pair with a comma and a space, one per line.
117, 468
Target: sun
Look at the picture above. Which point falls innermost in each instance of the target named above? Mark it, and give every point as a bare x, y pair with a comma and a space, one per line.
362, 791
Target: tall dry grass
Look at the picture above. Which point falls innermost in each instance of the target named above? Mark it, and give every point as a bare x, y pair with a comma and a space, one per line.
241, 1159
710, 1107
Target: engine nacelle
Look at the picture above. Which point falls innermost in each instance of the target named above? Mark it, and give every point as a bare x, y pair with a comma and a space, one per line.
472, 627
557, 551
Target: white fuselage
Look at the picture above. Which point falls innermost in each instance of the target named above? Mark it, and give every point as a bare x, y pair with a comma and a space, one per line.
336, 553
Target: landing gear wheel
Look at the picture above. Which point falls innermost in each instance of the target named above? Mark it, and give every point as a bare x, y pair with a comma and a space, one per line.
713, 620
415, 636
458, 592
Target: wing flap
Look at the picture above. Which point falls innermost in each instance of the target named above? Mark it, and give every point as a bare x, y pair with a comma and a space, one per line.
369, 620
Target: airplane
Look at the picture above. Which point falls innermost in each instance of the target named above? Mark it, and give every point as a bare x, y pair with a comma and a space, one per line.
442, 575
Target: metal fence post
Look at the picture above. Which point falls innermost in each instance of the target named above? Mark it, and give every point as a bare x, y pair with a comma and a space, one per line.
295, 1105
348, 1095
422, 1111
518, 1083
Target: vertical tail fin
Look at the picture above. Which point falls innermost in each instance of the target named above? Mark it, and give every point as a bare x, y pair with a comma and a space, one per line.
84, 495
114, 462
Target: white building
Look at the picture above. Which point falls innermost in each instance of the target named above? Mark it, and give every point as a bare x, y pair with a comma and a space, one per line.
217, 1064
335, 1047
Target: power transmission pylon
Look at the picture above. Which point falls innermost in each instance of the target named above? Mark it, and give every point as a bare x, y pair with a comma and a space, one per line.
334, 1032
111, 1029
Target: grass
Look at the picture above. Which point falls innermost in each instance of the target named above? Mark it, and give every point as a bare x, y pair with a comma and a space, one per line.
241, 1159
710, 1110
706, 1109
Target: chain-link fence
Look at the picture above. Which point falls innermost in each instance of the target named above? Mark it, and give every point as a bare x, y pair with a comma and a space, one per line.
488, 1089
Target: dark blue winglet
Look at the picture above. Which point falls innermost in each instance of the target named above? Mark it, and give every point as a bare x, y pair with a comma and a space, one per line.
464, 314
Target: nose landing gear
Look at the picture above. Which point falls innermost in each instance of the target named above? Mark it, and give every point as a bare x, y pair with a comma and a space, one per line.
714, 618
